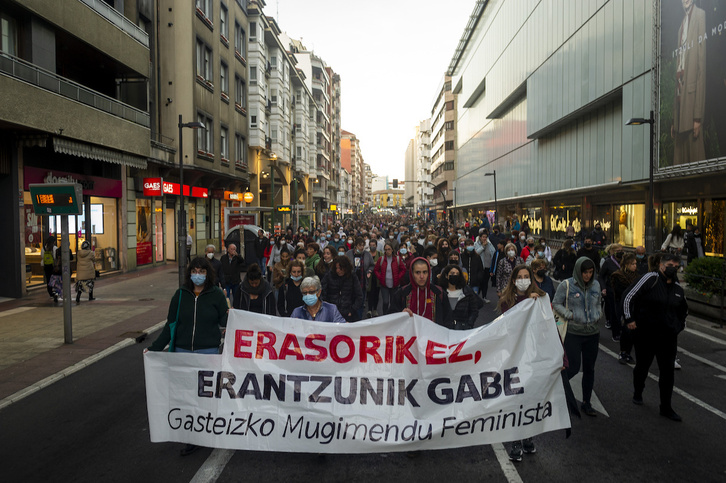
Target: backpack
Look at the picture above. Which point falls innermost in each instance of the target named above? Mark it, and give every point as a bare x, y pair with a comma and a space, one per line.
48, 257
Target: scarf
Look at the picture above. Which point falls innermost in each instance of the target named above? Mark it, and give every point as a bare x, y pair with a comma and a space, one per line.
421, 301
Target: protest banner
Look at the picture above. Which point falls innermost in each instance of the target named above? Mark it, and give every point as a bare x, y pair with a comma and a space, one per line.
392, 383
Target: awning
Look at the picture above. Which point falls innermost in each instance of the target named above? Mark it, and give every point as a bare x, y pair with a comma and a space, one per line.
83, 150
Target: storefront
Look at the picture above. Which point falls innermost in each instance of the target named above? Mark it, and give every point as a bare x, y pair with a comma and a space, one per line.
101, 197
561, 216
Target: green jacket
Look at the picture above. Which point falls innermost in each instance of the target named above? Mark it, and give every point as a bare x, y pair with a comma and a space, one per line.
199, 321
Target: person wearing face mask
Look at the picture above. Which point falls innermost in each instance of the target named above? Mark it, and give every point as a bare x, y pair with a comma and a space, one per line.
337, 242
232, 265
506, 266
655, 309
694, 245
564, 260
289, 296
610, 265
389, 270
642, 259
281, 271
599, 237
199, 309
544, 282
325, 264
362, 263
537, 253
342, 289
590, 251
255, 294
486, 251
579, 300
462, 300
372, 286
471, 261
312, 252
528, 249
314, 307
216, 264
443, 248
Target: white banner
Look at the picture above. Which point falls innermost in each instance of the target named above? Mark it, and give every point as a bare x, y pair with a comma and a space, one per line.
392, 383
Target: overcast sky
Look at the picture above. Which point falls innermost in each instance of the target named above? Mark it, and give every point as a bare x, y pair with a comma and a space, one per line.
391, 56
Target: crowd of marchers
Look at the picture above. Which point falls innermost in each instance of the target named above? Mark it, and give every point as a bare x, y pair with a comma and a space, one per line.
377, 265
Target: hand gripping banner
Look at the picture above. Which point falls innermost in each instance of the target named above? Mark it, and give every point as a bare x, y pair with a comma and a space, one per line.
392, 383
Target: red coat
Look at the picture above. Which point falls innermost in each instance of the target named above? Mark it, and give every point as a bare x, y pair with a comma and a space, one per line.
398, 269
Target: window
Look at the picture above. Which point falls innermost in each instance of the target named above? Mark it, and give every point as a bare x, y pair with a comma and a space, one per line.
224, 78
205, 6
273, 135
449, 145
204, 61
273, 97
8, 35
299, 152
240, 40
253, 121
253, 75
253, 31
223, 22
273, 62
449, 126
204, 136
224, 143
450, 105
240, 93
240, 151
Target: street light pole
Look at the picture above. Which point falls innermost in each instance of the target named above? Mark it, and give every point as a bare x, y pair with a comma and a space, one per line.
496, 208
650, 210
182, 228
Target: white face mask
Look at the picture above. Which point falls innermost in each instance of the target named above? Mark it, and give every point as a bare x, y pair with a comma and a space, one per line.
210, 255
511, 253
523, 284
434, 262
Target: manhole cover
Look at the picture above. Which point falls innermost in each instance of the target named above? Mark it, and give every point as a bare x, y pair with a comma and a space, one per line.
145, 300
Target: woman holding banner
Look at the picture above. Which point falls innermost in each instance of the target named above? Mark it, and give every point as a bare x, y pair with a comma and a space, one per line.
519, 288
196, 313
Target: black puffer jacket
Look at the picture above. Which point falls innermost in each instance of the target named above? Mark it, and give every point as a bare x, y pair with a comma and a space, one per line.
345, 293
472, 263
289, 298
466, 311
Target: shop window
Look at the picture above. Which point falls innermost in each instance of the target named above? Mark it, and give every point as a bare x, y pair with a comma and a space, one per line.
679, 213
714, 219
629, 229
144, 251
533, 217
561, 217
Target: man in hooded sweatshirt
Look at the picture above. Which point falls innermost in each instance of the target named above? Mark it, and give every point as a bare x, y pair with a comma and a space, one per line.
578, 300
255, 294
420, 296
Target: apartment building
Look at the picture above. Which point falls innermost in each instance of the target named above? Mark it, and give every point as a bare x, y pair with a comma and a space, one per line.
369, 183
63, 122
443, 147
423, 191
351, 158
409, 161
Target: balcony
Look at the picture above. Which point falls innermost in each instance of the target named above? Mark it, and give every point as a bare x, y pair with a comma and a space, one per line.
44, 79
116, 18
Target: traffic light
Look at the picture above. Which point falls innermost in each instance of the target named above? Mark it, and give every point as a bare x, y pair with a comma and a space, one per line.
395, 183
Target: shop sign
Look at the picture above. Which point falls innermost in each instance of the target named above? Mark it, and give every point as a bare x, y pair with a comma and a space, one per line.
560, 224
248, 197
688, 210
152, 186
157, 187
233, 196
535, 224
92, 185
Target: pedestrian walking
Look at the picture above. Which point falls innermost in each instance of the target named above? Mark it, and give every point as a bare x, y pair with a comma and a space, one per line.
289, 296
85, 272
209, 251
564, 260
389, 270
486, 251
314, 307
610, 265
255, 294
232, 264
620, 281
341, 288
463, 302
420, 296
506, 266
48, 255
674, 242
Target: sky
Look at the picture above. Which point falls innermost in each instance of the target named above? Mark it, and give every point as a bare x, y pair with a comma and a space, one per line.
391, 56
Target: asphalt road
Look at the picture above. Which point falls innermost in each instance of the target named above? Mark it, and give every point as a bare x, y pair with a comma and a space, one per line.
92, 426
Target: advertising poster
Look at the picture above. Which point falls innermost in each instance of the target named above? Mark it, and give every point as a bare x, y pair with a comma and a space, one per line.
143, 232
692, 81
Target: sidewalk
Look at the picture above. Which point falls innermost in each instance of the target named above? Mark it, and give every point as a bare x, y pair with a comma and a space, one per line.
31, 328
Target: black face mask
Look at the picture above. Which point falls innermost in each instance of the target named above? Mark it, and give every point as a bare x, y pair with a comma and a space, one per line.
619, 255
671, 272
455, 280
588, 245
541, 273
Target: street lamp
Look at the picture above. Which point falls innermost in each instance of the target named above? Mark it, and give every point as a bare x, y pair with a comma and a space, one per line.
182, 210
496, 208
650, 214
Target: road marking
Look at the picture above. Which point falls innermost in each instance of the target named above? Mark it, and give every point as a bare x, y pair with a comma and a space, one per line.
702, 359
576, 384
15, 311
677, 390
508, 468
706, 336
721, 376
23, 393
213, 466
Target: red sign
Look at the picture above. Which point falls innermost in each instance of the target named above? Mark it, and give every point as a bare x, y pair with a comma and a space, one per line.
152, 186
157, 187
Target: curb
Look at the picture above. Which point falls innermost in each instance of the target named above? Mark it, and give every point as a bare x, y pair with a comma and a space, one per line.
43, 383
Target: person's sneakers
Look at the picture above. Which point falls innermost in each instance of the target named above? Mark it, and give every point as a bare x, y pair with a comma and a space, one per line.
369, 315
375, 313
638, 399
487, 301
671, 414
607, 324
55, 299
623, 358
586, 408
188, 449
677, 364
616, 338
515, 453
629, 359
528, 446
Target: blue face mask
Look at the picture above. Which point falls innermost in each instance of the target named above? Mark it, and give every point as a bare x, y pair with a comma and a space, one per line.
296, 278
470, 248
198, 279
403, 251
640, 257
310, 299
540, 254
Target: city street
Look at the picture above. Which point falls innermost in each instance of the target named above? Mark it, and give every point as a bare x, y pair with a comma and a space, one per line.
92, 426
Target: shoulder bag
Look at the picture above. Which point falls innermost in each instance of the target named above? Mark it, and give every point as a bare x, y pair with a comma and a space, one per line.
559, 319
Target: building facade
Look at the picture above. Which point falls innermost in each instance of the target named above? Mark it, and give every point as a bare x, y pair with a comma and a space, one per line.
546, 103
423, 191
443, 148
351, 157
